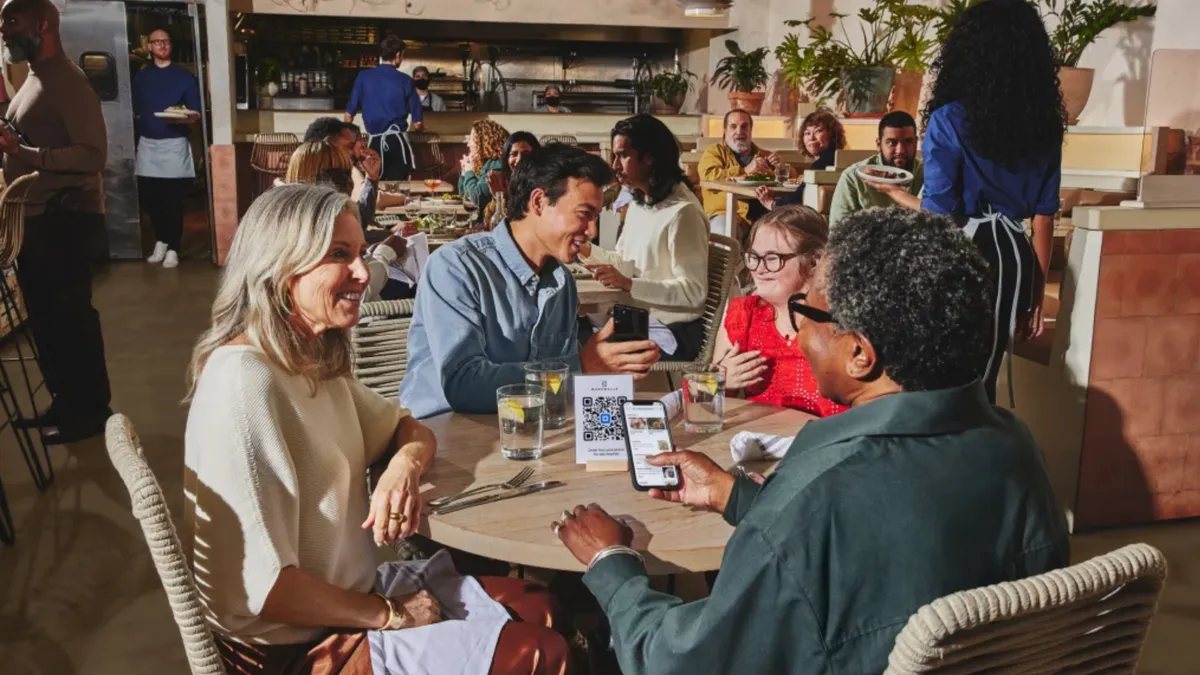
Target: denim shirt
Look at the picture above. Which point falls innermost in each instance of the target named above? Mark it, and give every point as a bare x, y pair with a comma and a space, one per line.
482, 313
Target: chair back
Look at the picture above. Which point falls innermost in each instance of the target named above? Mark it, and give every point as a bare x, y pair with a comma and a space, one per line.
1088, 618
427, 149
150, 508
12, 217
723, 256
272, 152
565, 139
380, 345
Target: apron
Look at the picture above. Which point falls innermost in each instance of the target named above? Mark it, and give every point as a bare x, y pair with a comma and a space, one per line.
1003, 235
164, 158
399, 137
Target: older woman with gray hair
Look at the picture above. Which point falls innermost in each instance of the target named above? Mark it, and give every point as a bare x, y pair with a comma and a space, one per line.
278, 441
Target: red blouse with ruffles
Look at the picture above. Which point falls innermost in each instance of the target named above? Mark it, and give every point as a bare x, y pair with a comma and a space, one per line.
789, 380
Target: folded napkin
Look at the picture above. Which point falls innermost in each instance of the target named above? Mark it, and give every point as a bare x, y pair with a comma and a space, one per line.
748, 446
674, 403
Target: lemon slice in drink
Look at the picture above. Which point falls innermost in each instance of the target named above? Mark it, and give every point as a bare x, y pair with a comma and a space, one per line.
554, 382
710, 384
512, 410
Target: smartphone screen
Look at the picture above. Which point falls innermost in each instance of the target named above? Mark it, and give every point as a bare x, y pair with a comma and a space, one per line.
647, 433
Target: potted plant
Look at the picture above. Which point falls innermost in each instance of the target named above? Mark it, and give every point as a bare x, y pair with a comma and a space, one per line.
742, 73
1080, 23
858, 73
669, 89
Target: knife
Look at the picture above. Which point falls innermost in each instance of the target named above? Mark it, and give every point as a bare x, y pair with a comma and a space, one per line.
527, 490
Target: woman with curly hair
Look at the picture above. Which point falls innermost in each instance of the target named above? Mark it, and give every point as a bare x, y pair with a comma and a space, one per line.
821, 136
994, 130
485, 153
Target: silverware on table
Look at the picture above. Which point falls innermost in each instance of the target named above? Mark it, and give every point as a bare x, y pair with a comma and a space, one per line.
478, 501
511, 484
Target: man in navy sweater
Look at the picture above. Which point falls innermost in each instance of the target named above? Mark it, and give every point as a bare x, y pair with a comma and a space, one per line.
164, 167
387, 99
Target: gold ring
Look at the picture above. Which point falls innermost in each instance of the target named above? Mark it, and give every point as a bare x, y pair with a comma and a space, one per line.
567, 514
398, 517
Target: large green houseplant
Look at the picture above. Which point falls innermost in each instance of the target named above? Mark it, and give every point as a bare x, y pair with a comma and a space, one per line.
743, 74
1077, 24
669, 89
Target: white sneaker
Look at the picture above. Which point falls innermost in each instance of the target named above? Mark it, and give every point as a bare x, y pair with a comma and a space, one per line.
160, 251
172, 259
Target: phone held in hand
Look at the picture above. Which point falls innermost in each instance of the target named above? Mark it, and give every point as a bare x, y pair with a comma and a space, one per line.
648, 432
630, 324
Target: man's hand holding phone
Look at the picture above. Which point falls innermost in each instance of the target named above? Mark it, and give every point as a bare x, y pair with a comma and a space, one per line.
702, 482
601, 356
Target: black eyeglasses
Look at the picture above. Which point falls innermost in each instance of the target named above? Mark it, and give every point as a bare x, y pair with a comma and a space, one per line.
797, 306
773, 261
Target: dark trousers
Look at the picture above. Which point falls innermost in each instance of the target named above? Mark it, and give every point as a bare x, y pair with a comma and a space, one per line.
397, 159
162, 198
690, 338
55, 269
1013, 263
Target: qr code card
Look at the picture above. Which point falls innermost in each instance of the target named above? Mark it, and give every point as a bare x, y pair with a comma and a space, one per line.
599, 433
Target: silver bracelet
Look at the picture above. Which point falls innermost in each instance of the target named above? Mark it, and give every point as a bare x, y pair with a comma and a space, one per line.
614, 550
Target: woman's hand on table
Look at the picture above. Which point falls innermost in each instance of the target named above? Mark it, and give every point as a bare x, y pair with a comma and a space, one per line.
587, 530
611, 277
397, 492
702, 482
765, 196
742, 369
599, 356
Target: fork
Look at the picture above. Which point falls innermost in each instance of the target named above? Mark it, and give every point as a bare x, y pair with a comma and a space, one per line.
513, 483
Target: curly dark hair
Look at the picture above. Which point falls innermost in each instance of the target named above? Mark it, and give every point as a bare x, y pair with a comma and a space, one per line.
914, 285
324, 128
648, 135
517, 137
827, 121
999, 65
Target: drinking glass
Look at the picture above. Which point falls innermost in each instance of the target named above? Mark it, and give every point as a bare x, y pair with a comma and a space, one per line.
520, 408
704, 401
783, 172
553, 377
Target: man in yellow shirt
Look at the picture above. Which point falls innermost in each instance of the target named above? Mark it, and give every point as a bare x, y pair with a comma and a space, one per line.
736, 156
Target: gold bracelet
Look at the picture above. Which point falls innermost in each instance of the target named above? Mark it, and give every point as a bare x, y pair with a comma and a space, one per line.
391, 608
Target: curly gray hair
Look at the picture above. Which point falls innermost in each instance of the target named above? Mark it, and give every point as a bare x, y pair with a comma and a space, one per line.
914, 285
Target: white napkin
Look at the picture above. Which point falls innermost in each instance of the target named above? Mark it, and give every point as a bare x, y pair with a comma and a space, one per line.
674, 403
749, 446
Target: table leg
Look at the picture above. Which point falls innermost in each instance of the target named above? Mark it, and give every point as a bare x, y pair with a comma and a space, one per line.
730, 214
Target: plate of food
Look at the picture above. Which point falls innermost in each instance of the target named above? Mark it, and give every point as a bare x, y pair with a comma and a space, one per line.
450, 199
885, 174
175, 112
756, 179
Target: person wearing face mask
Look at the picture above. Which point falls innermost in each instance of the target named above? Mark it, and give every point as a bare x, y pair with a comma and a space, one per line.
57, 130
756, 345
821, 136
429, 101
736, 156
493, 301
552, 101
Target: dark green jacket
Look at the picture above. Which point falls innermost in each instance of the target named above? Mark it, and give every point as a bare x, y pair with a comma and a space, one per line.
871, 514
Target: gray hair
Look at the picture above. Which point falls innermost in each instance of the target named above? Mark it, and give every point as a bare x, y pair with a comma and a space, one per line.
286, 233
914, 285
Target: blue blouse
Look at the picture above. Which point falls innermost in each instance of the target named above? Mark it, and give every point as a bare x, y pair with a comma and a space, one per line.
962, 183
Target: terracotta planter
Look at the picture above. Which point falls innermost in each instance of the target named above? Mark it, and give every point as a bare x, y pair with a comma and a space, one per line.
662, 107
1076, 84
866, 90
906, 92
750, 101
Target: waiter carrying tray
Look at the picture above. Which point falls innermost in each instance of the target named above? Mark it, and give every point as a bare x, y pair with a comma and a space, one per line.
164, 164
386, 98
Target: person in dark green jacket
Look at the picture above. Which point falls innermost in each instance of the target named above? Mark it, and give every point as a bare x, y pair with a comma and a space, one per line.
920, 490
485, 150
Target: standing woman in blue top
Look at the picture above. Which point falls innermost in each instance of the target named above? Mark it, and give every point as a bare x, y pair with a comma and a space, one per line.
386, 98
164, 165
994, 130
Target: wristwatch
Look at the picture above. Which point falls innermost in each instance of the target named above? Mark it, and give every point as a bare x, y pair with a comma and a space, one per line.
397, 618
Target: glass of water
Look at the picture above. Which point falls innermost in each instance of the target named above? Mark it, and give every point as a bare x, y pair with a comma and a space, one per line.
521, 409
783, 172
704, 401
553, 377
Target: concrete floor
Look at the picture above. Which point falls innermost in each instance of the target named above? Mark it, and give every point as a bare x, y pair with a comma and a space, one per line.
79, 595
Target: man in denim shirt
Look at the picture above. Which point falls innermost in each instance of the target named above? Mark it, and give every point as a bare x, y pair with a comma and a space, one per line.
493, 301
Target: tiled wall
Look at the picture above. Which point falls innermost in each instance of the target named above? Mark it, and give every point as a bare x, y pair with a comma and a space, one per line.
1141, 448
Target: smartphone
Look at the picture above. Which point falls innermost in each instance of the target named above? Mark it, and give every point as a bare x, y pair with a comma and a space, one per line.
630, 324
648, 432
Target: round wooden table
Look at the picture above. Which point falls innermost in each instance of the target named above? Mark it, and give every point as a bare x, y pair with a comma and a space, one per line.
673, 538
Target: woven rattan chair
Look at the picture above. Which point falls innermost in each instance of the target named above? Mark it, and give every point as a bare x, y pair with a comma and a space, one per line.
149, 507
723, 256
269, 157
427, 151
380, 344
12, 217
565, 139
1088, 618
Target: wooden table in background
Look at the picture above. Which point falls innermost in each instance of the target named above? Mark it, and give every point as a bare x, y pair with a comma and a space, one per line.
736, 191
593, 295
416, 186
673, 538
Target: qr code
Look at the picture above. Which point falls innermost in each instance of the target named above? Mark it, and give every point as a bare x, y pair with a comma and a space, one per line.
602, 418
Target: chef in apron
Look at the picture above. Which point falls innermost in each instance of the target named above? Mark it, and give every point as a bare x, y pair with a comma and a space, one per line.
387, 100
166, 100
